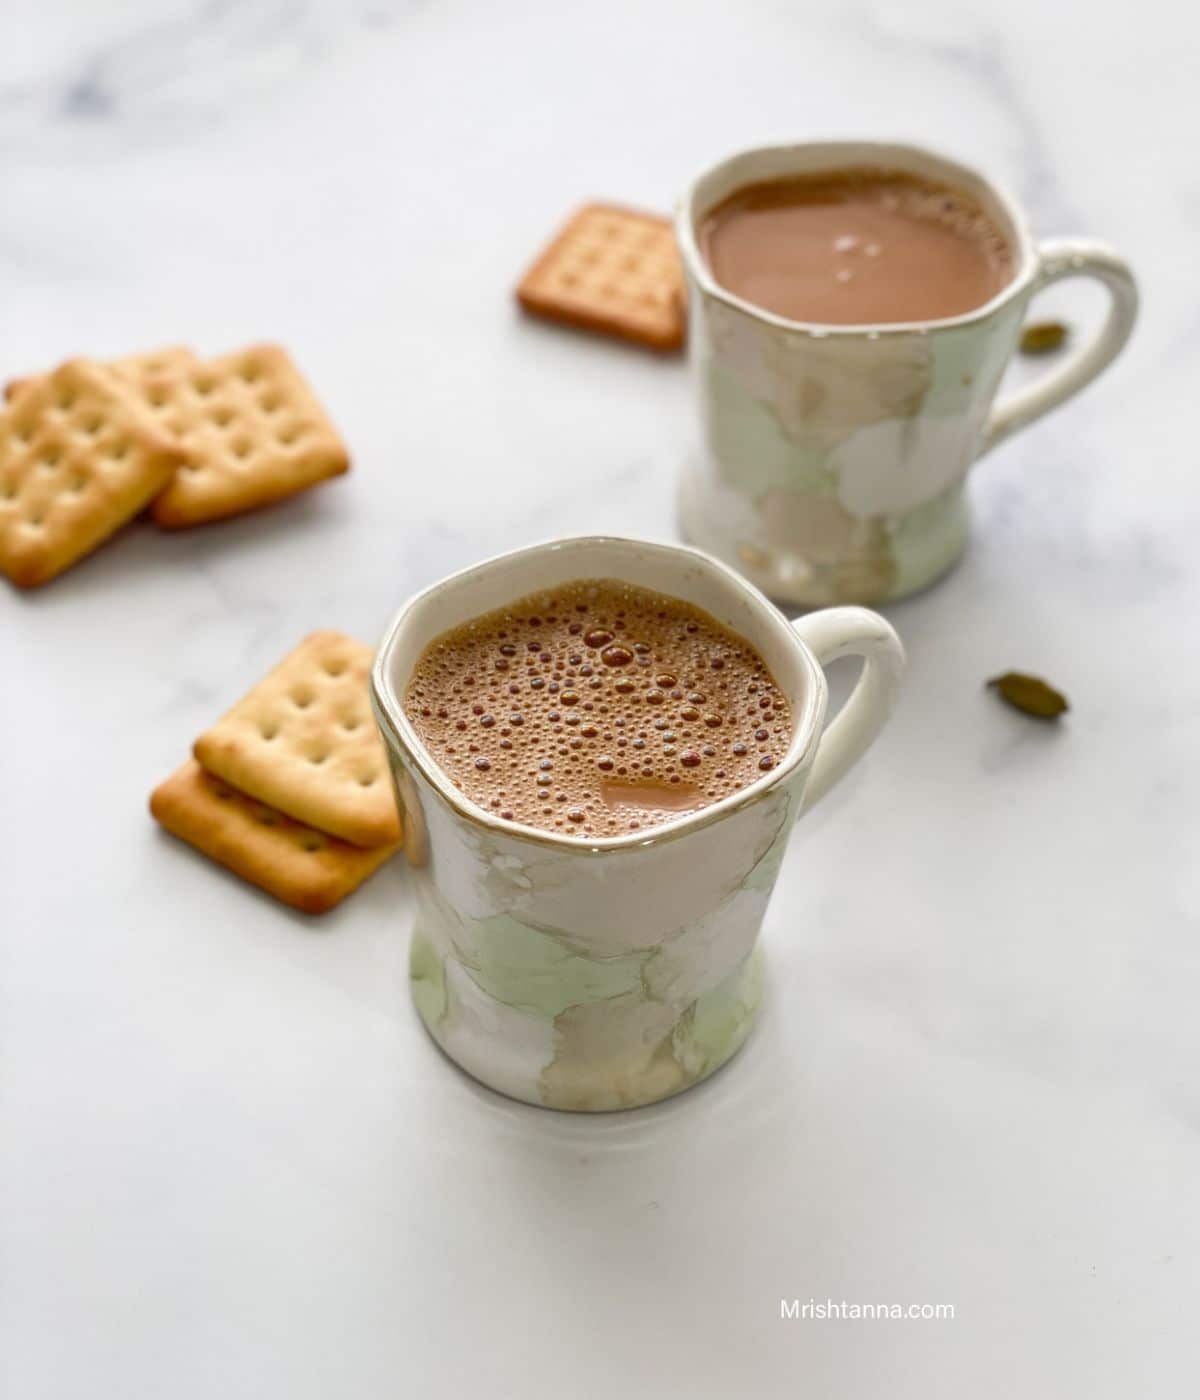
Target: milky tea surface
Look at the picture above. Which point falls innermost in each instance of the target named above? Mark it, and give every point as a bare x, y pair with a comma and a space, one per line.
597, 709
856, 247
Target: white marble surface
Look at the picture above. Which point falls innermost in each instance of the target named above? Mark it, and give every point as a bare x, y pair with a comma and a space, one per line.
232, 1164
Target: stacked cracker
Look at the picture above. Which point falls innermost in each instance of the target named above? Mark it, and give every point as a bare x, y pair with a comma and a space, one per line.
85, 448
290, 790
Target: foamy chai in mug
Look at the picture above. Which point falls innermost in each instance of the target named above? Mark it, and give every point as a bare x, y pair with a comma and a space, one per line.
597, 708
856, 246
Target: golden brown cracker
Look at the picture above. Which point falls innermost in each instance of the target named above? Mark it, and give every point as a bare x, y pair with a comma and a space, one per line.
79, 456
307, 869
612, 270
135, 368
304, 740
253, 431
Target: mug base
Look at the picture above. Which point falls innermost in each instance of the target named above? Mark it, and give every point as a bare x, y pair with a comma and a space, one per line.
898, 558
605, 1066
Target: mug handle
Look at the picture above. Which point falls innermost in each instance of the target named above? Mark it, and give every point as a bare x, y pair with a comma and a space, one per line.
834, 633
1058, 259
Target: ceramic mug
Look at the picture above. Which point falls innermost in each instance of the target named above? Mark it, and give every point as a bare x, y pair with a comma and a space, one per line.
601, 973
833, 459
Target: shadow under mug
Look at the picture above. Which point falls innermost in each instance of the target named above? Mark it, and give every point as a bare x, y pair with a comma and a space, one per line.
833, 459
603, 973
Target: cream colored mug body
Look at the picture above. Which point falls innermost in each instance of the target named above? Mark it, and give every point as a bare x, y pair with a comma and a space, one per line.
587, 973
832, 460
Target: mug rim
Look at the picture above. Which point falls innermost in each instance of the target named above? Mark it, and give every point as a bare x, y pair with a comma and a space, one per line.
807, 716
698, 270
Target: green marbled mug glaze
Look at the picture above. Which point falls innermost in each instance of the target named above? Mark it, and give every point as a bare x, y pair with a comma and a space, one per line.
833, 459
593, 974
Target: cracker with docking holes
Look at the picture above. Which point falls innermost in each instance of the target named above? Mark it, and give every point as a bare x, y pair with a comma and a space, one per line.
304, 740
253, 431
79, 456
307, 869
612, 270
133, 368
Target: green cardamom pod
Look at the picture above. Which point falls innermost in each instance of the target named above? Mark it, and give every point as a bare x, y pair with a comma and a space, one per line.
1030, 695
1042, 337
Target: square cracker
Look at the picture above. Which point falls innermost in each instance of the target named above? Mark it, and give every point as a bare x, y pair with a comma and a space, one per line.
305, 868
133, 368
304, 740
253, 431
612, 270
79, 456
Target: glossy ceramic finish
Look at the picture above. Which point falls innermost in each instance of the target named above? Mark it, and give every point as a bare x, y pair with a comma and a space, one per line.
605, 973
832, 459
